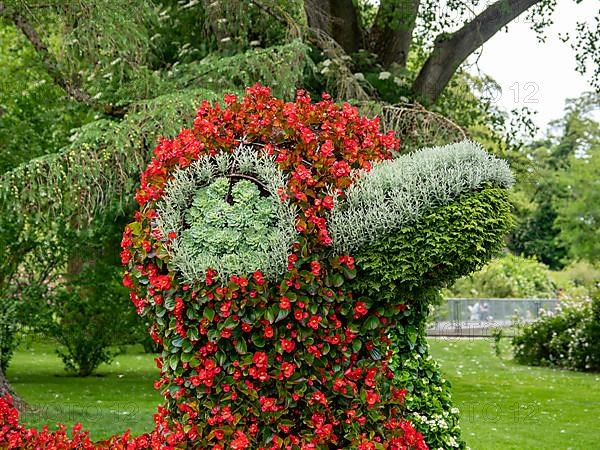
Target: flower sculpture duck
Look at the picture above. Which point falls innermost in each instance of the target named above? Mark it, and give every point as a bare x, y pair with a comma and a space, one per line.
288, 262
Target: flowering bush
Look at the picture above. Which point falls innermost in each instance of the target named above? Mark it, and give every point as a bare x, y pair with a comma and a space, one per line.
262, 356
568, 338
252, 361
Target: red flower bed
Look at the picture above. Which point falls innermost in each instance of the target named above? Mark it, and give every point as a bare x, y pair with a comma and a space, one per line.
253, 363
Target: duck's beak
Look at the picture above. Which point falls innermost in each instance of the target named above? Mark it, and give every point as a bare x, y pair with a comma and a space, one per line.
394, 194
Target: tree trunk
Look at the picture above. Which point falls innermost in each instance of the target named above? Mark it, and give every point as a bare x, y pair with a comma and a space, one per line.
451, 50
6, 389
337, 18
392, 31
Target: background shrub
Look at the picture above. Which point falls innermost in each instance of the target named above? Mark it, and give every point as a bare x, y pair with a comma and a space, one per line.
82, 318
579, 279
81, 303
509, 276
568, 338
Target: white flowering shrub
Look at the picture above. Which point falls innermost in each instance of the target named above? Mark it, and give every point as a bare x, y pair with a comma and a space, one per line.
567, 338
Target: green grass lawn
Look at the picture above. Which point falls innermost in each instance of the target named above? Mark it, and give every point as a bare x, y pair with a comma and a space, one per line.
118, 397
503, 405
507, 406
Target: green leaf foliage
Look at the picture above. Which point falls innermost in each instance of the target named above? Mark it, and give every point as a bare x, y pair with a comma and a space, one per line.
96, 171
30, 104
508, 277
444, 244
408, 268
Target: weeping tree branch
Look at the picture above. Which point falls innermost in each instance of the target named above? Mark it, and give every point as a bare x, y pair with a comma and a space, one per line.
270, 11
72, 89
391, 34
70, 86
450, 50
99, 169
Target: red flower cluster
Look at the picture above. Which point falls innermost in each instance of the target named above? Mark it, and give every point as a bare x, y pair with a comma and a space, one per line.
251, 363
15, 436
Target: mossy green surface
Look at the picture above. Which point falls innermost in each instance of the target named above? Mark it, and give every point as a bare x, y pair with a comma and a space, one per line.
408, 268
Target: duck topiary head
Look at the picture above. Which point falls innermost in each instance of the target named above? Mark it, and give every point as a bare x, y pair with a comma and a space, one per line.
287, 263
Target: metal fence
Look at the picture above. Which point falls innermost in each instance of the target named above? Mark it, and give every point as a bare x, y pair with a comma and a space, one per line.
476, 317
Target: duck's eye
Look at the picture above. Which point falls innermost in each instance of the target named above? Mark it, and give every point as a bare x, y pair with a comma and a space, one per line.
225, 213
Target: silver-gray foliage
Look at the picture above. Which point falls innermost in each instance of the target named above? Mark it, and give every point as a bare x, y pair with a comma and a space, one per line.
397, 192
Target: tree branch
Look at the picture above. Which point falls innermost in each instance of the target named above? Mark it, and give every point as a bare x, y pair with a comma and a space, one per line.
22, 24
270, 11
391, 35
451, 50
71, 87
